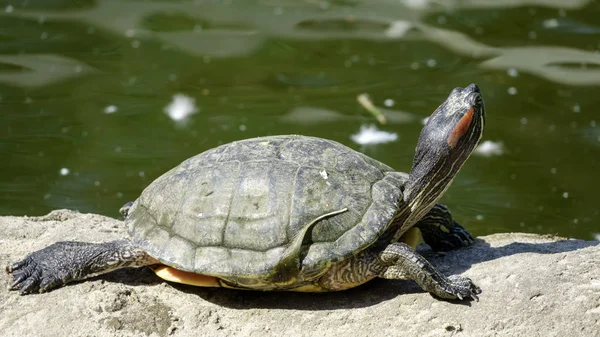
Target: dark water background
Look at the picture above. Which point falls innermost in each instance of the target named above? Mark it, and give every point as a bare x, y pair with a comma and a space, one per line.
84, 86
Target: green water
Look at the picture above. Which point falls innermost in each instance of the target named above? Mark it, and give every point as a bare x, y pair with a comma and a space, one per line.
84, 86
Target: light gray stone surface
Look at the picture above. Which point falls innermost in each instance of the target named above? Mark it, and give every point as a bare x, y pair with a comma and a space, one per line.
532, 286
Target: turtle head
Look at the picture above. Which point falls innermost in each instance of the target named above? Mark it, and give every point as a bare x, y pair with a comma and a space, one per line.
446, 141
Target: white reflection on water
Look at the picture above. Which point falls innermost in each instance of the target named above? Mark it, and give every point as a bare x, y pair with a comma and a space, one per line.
369, 134
110, 109
489, 149
416, 4
181, 107
398, 29
42, 69
548, 62
370, 20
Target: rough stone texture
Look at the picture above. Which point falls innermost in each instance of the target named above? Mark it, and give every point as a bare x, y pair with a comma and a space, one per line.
532, 286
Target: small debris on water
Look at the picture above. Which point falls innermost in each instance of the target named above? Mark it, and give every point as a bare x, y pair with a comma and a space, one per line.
512, 72
479, 217
64, 171
489, 149
512, 91
369, 134
324, 174
365, 102
181, 107
389, 102
597, 238
110, 109
565, 195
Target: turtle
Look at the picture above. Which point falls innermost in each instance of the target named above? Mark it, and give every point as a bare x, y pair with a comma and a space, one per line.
288, 213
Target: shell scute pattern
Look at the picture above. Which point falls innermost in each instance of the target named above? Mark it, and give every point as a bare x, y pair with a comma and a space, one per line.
232, 211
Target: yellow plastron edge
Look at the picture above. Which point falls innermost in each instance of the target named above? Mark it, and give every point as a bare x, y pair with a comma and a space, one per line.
173, 275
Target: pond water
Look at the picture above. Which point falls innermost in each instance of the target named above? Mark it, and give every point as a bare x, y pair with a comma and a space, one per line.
98, 98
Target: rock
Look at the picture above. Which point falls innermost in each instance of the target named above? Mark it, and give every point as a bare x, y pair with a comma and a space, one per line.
532, 286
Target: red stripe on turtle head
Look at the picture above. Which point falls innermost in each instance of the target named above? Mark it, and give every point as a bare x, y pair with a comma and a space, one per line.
461, 128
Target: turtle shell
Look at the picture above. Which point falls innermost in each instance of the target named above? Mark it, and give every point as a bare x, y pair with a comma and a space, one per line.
270, 209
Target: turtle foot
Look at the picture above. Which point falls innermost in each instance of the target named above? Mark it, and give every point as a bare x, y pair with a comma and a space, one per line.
461, 288
456, 237
67, 261
38, 272
441, 232
404, 263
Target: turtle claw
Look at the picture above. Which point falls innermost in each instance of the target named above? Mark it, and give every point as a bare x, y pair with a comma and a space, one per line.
462, 288
15, 266
25, 276
28, 286
17, 280
37, 272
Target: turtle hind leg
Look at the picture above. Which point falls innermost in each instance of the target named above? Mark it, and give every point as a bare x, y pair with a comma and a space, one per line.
441, 232
64, 262
402, 262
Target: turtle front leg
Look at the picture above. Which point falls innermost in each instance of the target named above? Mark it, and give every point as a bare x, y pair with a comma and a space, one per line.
402, 262
441, 232
64, 262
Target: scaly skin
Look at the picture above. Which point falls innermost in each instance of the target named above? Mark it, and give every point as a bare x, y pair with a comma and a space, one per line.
64, 262
441, 232
403, 262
